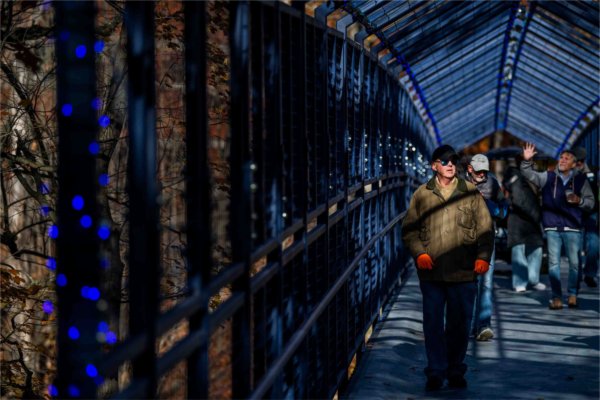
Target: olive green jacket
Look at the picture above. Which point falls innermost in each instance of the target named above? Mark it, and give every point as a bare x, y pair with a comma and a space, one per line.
454, 232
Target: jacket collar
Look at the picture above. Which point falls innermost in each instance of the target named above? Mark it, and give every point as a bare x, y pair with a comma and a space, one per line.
461, 185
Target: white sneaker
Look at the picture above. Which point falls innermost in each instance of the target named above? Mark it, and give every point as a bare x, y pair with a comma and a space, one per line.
539, 286
520, 289
485, 335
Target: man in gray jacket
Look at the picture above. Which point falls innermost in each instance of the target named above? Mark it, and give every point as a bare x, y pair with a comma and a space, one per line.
448, 231
566, 194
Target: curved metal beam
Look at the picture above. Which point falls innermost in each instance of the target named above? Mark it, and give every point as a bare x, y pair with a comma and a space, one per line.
580, 125
516, 30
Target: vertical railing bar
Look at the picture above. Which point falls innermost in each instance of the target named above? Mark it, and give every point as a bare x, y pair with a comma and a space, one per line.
198, 190
277, 389
143, 193
241, 178
77, 176
304, 165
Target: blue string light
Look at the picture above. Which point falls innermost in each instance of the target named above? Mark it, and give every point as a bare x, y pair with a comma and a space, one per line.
73, 333
103, 232
90, 293
77, 202
93, 294
45, 210
96, 104
51, 263
80, 51
98, 46
48, 307
91, 370
86, 221
111, 337
73, 391
103, 326
52, 390
67, 110
53, 231
103, 179
61, 280
94, 148
64, 35
44, 188
104, 263
104, 121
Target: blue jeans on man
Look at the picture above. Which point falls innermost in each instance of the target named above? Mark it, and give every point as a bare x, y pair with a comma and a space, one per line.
447, 314
482, 314
572, 241
526, 261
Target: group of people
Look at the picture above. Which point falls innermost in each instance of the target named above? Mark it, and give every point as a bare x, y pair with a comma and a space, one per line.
450, 229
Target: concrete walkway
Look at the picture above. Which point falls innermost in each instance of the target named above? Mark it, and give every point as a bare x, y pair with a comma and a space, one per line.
537, 353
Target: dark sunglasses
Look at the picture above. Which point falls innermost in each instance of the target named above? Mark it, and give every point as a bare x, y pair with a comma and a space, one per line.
444, 163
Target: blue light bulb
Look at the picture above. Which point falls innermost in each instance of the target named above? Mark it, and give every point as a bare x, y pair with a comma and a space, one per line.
104, 121
61, 280
67, 110
80, 51
73, 333
77, 202
86, 221
99, 46
51, 263
91, 370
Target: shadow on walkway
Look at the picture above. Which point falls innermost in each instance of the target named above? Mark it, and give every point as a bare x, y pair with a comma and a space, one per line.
537, 353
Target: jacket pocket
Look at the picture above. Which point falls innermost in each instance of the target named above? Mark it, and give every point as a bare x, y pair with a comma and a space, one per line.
466, 221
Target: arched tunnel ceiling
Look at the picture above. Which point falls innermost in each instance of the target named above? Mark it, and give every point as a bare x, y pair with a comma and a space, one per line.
475, 67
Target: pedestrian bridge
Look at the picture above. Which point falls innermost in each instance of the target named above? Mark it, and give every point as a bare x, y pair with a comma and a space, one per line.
334, 110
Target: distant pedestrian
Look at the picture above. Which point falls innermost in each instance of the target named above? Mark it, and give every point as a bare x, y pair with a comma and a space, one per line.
478, 173
566, 194
525, 236
448, 230
589, 260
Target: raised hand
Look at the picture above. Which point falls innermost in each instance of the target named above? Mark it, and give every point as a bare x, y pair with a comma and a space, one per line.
529, 151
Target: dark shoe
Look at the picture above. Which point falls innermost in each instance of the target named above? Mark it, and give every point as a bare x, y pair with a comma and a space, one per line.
556, 304
434, 383
572, 301
590, 281
457, 382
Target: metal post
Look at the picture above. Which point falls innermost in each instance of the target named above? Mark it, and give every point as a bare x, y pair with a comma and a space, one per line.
143, 211
241, 178
78, 260
198, 190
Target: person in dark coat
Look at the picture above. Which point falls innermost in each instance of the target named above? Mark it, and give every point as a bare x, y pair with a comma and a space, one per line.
524, 236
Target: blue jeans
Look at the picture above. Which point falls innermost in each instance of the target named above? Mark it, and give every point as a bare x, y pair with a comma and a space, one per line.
572, 241
526, 263
482, 314
591, 254
447, 313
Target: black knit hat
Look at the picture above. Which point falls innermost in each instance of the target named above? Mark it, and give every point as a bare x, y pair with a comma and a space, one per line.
444, 153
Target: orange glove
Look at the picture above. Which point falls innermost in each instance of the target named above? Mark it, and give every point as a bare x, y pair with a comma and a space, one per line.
481, 266
424, 262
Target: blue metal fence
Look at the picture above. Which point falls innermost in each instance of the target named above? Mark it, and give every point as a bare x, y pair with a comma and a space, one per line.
320, 132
